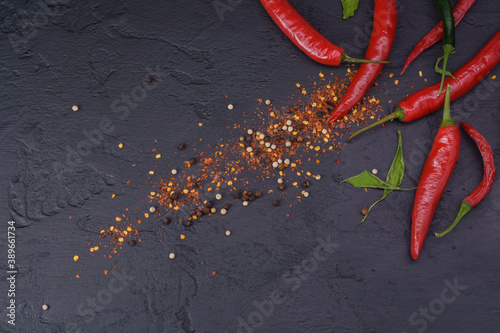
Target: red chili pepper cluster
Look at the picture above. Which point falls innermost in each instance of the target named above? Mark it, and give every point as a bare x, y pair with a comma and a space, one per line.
482, 190
306, 38
437, 171
320, 49
444, 153
426, 101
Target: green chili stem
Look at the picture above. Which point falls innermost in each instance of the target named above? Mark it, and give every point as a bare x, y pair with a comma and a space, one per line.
448, 50
465, 207
346, 58
448, 36
447, 121
369, 209
399, 114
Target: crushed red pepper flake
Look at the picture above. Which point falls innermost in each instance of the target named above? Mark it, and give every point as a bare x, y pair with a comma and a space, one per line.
273, 144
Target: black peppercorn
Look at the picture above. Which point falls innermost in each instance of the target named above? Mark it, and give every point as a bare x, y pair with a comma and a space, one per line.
281, 187
305, 184
276, 202
166, 220
188, 223
199, 213
244, 197
251, 198
209, 204
174, 196
330, 106
300, 139
249, 193
181, 146
149, 79
192, 212
132, 242
227, 206
169, 200
192, 161
258, 194
205, 210
267, 160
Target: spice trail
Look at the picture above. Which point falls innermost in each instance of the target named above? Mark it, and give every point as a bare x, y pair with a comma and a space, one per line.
268, 160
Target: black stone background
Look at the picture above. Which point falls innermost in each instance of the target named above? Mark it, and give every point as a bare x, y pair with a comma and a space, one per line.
90, 53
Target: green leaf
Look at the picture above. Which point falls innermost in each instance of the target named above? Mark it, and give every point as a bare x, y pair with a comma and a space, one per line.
349, 7
367, 179
395, 174
397, 169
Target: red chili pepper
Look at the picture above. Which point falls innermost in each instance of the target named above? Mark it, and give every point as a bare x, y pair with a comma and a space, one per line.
481, 191
304, 36
436, 34
426, 101
437, 170
384, 29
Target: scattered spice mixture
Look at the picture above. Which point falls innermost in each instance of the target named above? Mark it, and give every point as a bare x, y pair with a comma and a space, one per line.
280, 146
286, 139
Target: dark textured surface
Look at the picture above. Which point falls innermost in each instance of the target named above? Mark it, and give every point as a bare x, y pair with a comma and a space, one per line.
90, 54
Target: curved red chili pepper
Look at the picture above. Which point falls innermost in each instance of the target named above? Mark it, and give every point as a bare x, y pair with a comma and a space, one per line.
437, 170
426, 101
304, 36
488, 164
436, 34
482, 190
384, 29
